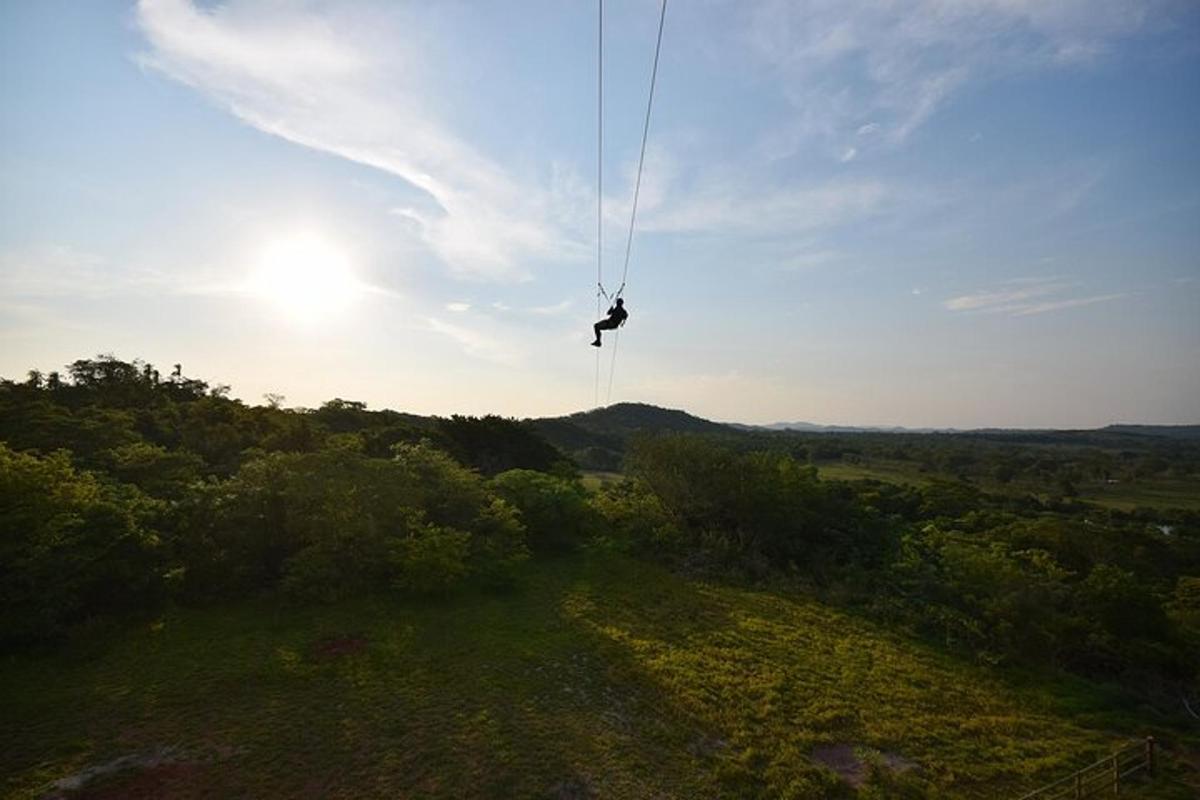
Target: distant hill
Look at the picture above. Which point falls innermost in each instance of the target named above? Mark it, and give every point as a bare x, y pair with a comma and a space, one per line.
810, 427
596, 439
624, 419
1165, 431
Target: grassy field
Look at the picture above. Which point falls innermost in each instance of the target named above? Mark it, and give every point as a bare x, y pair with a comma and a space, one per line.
598, 677
1161, 493
889, 472
1179, 493
594, 479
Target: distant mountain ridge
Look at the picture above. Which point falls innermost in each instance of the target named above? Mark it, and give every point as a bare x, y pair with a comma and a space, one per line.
597, 439
630, 417
1168, 431
811, 427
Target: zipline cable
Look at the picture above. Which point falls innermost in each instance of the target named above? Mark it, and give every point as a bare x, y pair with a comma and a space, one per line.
637, 186
637, 189
599, 179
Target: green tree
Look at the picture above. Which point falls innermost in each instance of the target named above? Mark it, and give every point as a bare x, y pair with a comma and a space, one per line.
756, 505
555, 511
494, 444
322, 525
71, 546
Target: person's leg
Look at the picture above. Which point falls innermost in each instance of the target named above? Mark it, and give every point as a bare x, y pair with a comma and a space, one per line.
596, 330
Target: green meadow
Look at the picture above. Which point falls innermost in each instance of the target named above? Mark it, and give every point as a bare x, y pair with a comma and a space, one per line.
1125, 495
204, 599
596, 676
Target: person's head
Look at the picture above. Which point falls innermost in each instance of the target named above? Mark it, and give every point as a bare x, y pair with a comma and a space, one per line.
620, 301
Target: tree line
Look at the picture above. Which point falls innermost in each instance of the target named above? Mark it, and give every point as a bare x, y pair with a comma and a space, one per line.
122, 490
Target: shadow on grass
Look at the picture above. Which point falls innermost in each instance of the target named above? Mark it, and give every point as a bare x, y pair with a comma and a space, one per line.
598, 677
772, 677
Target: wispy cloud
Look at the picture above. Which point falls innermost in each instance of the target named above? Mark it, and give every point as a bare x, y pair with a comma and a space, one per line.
553, 310
728, 203
1027, 296
484, 345
1055, 305
1002, 299
807, 258
853, 68
61, 270
350, 84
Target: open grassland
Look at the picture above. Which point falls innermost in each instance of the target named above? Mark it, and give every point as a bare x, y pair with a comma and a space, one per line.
597, 677
595, 479
889, 472
1152, 492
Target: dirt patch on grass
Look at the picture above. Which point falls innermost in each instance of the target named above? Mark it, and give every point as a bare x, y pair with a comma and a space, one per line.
333, 647
571, 789
160, 773
75, 784
853, 764
706, 746
154, 783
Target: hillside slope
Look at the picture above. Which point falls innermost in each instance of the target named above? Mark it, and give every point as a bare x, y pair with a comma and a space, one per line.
596, 439
599, 677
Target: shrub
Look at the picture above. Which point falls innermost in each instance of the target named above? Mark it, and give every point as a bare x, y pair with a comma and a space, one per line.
554, 511
756, 506
325, 524
428, 559
498, 544
633, 518
154, 469
494, 444
71, 546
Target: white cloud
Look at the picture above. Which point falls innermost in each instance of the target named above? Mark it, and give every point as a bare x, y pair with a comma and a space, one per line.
349, 83
999, 300
1041, 308
731, 204
1029, 296
809, 258
554, 310
484, 345
458, 308
857, 67
61, 270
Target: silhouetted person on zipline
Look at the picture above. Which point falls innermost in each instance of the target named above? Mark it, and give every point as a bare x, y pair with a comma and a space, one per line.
616, 318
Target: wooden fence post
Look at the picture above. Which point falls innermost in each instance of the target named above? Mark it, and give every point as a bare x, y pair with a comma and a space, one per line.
1150, 754
1078, 785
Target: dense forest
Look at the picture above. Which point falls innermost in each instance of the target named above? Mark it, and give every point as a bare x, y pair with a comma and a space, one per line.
123, 491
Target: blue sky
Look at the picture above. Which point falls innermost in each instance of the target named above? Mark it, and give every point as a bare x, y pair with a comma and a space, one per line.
921, 212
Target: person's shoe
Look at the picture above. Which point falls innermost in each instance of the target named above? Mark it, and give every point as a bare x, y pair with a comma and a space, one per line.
596, 343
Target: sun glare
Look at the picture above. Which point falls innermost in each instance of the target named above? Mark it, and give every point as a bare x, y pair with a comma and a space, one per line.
304, 276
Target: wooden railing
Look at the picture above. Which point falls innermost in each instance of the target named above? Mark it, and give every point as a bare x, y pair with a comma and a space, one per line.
1105, 777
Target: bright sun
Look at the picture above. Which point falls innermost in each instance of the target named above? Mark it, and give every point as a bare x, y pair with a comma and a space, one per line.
305, 276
